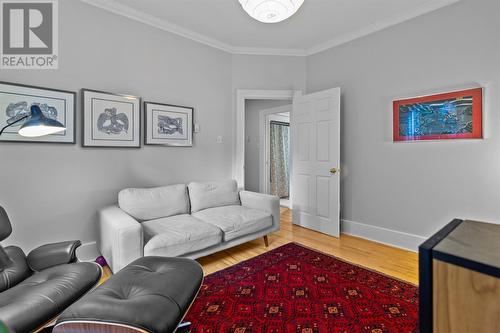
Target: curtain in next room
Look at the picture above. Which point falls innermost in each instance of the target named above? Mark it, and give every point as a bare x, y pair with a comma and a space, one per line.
280, 152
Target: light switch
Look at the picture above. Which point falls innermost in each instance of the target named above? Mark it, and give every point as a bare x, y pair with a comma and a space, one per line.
197, 128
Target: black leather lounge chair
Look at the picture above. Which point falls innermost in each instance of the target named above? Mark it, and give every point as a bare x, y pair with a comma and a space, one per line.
35, 289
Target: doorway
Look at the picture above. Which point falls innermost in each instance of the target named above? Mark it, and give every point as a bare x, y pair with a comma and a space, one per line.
278, 166
315, 154
275, 159
267, 147
242, 96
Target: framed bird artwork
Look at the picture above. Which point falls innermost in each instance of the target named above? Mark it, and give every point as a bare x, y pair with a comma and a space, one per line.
111, 120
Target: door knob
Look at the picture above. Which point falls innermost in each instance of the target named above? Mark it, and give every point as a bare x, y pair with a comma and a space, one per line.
334, 170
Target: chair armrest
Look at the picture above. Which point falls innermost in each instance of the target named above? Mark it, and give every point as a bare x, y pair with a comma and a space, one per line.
265, 202
121, 238
53, 254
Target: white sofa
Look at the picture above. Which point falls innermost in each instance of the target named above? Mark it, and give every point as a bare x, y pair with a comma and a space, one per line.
184, 221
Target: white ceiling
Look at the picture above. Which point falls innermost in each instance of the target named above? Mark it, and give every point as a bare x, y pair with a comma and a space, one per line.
318, 25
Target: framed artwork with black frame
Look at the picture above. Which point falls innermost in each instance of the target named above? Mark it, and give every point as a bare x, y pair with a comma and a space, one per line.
16, 101
168, 125
111, 120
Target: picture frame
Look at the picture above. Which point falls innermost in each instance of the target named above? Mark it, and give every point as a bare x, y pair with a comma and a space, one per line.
444, 116
110, 120
16, 100
168, 125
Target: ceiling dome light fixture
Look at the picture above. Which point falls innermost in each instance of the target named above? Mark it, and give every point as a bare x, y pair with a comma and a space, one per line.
271, 11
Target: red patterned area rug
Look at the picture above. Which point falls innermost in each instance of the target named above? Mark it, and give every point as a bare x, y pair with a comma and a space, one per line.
295, 289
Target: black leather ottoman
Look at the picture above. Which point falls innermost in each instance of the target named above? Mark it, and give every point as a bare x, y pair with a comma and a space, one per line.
152, 294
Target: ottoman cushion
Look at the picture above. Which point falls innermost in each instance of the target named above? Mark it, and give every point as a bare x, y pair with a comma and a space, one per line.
151, 293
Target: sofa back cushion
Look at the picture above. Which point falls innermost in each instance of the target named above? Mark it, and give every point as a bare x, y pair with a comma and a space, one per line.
154, 203
213, 194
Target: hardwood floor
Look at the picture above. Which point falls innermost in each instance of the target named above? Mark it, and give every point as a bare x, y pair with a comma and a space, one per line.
388, 260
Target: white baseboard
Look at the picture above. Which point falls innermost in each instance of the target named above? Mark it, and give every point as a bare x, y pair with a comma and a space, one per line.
88, 251
383, 235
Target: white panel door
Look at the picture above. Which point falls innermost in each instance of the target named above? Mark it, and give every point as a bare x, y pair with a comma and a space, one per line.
315, 190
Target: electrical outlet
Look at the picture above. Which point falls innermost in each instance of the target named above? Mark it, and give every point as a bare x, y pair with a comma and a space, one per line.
220, 139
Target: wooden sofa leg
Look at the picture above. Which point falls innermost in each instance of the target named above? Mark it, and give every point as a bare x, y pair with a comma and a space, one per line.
266, 241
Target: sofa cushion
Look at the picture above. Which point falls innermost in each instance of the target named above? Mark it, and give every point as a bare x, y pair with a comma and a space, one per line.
178, 235
213, 194
236, 221
153, 203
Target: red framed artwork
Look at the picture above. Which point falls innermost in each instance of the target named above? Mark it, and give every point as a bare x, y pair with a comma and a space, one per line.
453, 115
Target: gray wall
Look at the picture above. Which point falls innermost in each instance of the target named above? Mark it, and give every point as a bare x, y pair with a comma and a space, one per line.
252, 147
416, 187
268, 72
52, 192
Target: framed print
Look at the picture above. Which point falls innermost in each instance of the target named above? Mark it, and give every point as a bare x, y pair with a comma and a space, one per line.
110, 120
454, 115
168, 125
16, 101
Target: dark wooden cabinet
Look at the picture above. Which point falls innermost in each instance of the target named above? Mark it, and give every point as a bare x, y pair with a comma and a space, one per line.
459, 272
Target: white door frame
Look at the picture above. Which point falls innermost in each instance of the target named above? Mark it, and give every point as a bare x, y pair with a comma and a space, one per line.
264, 140
239, 125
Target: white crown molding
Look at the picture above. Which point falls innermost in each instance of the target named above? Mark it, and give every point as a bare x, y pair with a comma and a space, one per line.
269, 51
377, 26
126, 11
